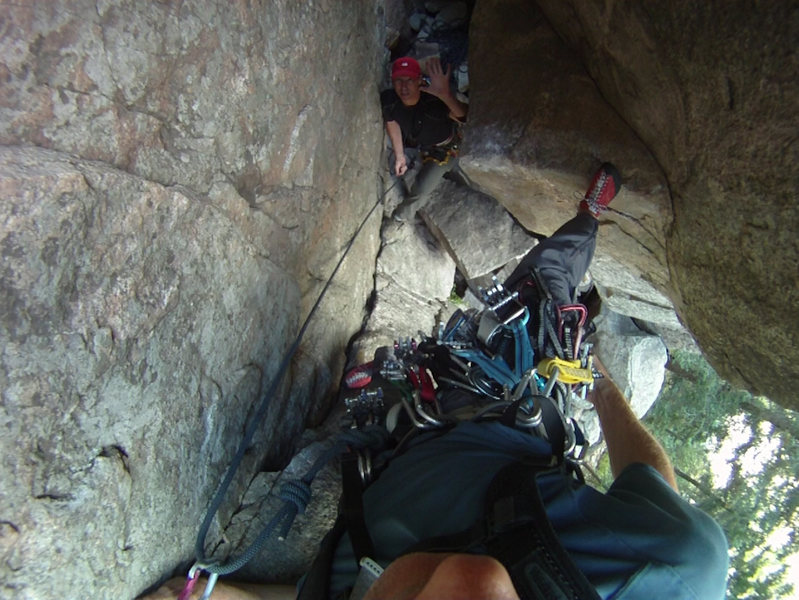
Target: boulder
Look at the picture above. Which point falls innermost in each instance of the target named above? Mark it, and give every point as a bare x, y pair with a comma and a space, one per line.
634, 359
477, 232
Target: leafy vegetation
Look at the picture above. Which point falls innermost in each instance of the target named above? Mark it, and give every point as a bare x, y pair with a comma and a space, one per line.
455, 297
737, 458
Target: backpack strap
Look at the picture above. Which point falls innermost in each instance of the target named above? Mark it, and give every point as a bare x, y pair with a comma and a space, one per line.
522, 538
516, 531
317, 580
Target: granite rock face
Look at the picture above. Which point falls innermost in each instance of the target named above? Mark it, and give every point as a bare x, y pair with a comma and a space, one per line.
413, 280
538, 130
476, 231
696, 103
178, 181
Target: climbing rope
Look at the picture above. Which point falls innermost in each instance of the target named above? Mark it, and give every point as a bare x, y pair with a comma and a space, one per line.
294, 493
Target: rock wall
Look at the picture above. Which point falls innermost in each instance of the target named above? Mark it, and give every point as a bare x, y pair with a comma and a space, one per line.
178, 180
696, 102
535, 145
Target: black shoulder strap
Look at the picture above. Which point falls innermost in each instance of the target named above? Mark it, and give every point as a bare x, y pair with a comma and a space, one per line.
317, 581
350, 520
517, 532
352, 507
550, 418
522, 538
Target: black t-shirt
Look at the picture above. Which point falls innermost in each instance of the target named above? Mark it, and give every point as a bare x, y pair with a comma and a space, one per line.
424, 125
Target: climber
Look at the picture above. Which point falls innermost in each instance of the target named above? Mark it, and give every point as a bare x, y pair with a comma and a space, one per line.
487, 508
423, 118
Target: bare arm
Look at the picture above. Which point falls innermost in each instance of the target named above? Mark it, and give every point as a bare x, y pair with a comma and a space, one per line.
395, 135
627, 439
439, 87
224, 591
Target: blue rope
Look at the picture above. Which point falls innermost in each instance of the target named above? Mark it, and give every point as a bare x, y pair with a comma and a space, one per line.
285, 514
296, 493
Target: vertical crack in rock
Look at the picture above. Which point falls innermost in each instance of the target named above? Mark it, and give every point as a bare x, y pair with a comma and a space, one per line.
116, 452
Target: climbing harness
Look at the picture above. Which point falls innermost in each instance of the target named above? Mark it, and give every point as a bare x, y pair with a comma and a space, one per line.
445, 151
295, 493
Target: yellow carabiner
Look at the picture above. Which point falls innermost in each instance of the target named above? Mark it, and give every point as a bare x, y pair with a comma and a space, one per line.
569, 371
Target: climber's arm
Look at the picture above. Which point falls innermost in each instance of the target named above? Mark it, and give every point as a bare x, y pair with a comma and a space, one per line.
395, 135
627, 439
439, 87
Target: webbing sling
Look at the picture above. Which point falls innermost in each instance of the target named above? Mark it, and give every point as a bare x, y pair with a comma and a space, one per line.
351, 507
550, 418
317, 580
350, 520
522, 538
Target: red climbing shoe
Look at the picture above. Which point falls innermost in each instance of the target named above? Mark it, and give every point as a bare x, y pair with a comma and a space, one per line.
604, 187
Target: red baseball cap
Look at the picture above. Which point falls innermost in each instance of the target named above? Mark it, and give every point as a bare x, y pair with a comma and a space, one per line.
406, 67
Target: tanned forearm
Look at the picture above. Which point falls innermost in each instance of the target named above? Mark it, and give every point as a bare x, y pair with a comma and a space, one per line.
457, 109
224, 591
627, 439
395, 135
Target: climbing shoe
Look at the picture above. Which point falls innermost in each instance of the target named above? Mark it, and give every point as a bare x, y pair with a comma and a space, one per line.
604, 187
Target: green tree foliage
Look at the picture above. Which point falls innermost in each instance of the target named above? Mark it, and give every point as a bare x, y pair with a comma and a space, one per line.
737, 457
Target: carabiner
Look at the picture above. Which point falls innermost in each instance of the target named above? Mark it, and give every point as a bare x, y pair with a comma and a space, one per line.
209, 586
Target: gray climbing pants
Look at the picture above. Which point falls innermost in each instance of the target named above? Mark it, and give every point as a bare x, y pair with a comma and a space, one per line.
561, 259
427, 180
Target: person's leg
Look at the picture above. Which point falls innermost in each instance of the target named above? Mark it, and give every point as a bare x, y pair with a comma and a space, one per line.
427, 180
563, 258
